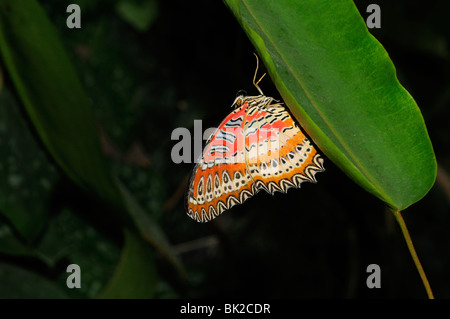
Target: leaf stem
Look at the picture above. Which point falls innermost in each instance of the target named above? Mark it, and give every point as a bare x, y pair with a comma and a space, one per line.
413, 253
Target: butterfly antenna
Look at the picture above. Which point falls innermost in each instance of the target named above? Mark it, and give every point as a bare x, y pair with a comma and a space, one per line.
254, 77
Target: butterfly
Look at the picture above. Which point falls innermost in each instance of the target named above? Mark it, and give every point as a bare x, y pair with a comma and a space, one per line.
258, 146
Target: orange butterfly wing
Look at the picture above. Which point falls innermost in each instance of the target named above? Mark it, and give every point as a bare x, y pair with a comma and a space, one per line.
258, 146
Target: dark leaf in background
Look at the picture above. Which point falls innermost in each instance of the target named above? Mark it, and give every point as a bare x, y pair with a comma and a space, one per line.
32, 285
58, 107
136, 275
140, 15
52, 94
26, 175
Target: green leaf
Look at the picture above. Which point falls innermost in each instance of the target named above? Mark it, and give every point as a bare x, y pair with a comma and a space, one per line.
51, 92
26, 175
10, 244
136, 275
21, 283
150, 231
71, 239
140, 15
341, 85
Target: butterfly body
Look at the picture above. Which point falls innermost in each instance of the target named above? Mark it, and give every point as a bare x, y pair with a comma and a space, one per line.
257, 147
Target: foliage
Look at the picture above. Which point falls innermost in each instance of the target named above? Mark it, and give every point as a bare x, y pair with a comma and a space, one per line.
86, 177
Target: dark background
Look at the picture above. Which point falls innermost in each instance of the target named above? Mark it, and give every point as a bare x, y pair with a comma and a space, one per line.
189, 63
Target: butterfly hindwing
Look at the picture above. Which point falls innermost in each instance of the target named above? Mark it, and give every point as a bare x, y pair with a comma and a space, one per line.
283, 156
218, 189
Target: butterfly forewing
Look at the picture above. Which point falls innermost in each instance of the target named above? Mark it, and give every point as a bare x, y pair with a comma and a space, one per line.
220, 179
